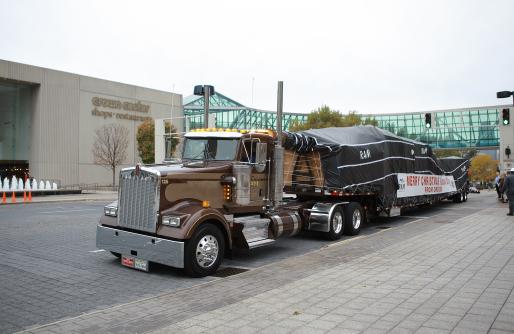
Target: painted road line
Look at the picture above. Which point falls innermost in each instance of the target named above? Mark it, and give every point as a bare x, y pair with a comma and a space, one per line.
97, 251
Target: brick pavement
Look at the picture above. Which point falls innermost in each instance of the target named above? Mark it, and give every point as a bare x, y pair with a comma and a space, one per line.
420, 278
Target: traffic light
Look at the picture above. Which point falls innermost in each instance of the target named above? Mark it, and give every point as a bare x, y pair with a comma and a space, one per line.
428, 120
506, 116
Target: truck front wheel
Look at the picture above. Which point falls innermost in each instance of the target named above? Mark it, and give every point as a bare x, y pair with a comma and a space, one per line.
354, 217
204, 251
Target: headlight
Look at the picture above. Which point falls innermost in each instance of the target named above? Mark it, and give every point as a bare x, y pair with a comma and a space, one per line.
111, 211
171, 221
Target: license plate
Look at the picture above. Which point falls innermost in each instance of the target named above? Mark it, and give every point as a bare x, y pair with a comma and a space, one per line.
134, 262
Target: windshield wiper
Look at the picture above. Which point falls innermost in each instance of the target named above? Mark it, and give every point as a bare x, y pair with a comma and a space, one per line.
204, 154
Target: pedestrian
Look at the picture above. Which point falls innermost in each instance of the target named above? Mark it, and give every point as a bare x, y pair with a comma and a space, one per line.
497, 184
501, 191
508, 188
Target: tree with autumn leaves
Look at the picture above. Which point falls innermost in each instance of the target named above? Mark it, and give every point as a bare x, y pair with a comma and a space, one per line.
483, 168
146, 140
324, 117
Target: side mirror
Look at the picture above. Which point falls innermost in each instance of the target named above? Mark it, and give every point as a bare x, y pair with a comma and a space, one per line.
261, 156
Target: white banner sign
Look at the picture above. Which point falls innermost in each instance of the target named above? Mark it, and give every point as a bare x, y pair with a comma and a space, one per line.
419, 184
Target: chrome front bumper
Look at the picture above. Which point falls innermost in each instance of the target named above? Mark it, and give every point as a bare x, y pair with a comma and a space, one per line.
153, 249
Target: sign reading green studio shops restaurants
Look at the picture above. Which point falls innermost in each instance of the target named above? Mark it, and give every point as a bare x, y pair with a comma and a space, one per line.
118, 107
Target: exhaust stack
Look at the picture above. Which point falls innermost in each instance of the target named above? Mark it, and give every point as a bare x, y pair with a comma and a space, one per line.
278, 155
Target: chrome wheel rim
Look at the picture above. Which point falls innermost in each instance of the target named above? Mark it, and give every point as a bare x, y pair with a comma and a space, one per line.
207, 251
337, 222
356, 219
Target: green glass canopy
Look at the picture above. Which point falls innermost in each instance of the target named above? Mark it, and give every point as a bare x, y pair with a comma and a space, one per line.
231, 114
476, 127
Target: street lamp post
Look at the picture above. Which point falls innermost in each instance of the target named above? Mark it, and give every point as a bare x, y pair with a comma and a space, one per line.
207, 91
505, 112
505, 131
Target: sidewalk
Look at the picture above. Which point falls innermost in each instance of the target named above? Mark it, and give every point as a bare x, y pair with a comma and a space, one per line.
424, 277
85, 196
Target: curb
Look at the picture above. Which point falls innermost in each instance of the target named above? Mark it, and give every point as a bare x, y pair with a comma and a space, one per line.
59, 200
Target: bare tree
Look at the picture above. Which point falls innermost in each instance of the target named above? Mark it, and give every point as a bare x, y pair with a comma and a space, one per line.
110, 147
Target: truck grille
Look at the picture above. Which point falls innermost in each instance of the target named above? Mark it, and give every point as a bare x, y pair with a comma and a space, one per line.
138, 199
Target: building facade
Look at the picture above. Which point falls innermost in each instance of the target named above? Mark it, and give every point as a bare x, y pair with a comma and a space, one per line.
48, 120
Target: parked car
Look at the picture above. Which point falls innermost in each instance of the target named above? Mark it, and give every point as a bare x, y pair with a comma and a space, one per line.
474, 190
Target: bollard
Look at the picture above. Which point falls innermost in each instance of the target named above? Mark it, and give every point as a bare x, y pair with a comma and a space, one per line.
30, 196
24, 197
4, 199
13, 197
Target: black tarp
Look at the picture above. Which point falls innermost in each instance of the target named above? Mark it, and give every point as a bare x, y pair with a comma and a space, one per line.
458, 167
366, 158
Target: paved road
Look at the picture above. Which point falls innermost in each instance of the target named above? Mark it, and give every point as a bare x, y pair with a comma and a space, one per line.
50, 270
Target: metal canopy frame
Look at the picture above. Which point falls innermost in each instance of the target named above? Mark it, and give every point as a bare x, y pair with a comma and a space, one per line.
453, 128
234, 115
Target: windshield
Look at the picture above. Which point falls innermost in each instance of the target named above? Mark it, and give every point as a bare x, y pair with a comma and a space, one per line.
210, 148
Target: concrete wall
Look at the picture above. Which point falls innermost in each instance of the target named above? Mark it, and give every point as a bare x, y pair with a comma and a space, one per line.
65, 117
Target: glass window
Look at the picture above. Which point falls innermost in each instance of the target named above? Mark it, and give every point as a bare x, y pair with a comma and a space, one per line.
210, 148
16, 107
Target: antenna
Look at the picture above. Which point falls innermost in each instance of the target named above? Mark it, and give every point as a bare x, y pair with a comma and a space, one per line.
172, 104
253, 83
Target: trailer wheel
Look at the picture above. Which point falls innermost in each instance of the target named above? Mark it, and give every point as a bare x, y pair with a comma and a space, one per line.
354, 218
204, 251
336, 224
457, 198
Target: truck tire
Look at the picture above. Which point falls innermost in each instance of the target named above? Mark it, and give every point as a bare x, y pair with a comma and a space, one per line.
457, 198
354, 218
336, 224
465, 196
204, 251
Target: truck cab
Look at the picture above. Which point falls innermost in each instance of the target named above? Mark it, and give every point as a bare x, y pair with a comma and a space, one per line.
190, 214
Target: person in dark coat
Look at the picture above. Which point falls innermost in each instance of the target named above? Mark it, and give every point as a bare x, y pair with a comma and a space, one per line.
508, 188
497, 185
501, 188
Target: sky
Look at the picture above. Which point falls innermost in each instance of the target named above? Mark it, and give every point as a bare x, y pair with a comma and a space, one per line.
371, 56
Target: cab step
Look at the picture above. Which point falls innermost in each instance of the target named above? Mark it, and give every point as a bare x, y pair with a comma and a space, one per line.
259, 243
254, 227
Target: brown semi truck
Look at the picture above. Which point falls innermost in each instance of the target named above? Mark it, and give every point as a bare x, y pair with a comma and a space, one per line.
226, 193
